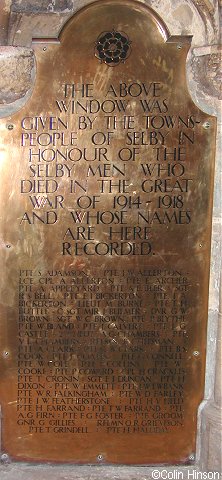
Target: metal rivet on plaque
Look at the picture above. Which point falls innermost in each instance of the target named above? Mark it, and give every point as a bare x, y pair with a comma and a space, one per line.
99, 458
10, 126
196, 353
206, 125
179, 46
192, 457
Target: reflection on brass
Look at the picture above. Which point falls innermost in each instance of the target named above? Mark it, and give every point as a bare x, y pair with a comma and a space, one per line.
106, 185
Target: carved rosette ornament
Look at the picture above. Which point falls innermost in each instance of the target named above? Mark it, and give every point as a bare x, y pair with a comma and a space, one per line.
112, 48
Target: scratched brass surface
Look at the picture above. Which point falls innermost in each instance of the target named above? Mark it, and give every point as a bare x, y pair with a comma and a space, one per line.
119, 370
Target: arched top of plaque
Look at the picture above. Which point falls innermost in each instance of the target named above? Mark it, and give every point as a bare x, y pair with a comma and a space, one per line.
127, 35
120, 7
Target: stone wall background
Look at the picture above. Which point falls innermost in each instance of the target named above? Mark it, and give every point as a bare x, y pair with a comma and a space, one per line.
22, 20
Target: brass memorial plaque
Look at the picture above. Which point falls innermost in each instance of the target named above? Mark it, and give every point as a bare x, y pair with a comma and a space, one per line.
106, 199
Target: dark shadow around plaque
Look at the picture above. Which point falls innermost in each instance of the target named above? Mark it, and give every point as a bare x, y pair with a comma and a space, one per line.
106, 200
